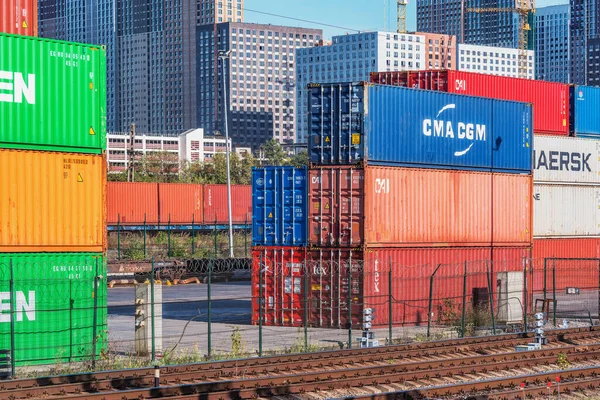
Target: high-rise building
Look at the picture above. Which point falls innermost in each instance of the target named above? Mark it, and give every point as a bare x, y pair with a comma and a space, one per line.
85, 21
481, 28
551, 29
585, 20
593, 62
260, 77
493, 60
353, 57
151, 53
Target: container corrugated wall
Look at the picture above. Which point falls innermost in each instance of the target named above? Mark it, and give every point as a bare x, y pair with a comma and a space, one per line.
56, 95
130, 203
180, 203
279, 199
55, 306
550, 99
406, 207
566, 210
566, 160
215, 204
585, 103
19, 17
53, 202
378, 124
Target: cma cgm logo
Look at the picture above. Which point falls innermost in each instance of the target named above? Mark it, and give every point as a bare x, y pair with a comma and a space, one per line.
15, 88
444, 129
24, 306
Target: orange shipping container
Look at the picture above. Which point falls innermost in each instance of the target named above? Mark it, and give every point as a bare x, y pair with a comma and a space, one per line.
130, 203
180, 203
215, 204
385, 206
19, 17
52, 202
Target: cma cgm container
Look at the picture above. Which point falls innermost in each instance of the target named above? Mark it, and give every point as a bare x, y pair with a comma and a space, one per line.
387, 125
215, 204
563, 210
558, 159
180, 203
279, 198
19, 17
585, 103
132, 203
384, 206
325, 278
550, 100
54, 306
54, 95
52, 202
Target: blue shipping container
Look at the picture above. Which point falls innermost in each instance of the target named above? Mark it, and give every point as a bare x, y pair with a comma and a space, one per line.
585, 111
279, 206
353, 123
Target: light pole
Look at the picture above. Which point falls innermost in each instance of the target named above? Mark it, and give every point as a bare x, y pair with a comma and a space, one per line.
223, 55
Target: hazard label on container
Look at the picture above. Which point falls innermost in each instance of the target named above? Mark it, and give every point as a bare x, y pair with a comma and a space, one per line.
92, 131
25, 25
79, 178
270, 215
356, 138
327, 139
327, 206
318, 205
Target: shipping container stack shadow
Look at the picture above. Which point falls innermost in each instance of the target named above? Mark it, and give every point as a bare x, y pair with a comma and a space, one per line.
52, 184
566, 164
402, 182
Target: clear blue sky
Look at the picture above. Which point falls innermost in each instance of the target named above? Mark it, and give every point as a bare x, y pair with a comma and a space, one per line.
364, 15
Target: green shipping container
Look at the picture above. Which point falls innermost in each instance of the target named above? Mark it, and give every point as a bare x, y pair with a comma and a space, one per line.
52, 95
53, 306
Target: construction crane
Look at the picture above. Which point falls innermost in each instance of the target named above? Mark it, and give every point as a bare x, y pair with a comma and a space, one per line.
401, 13
524, 8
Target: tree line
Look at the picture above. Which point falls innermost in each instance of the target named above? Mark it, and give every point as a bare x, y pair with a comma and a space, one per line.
164, 167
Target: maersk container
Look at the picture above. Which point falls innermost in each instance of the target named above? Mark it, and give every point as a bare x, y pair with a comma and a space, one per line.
585, 103
566, 210
354, 123
279, 201
559, 159
550, 100
19, 17
53, 95
54, 306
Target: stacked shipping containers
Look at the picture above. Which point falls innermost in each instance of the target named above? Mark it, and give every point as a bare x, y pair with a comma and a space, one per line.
52, 184
401, 178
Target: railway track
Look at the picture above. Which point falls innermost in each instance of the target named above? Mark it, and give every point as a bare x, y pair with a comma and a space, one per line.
415, 366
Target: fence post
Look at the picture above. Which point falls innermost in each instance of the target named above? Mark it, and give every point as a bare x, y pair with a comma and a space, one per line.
545, 265
209, 308
491, 295
260, 305
215, 237
349, 307
153, 332
95, 322
464, 302
193, 235
554, 292
144, 236
430, 308
71, 306
525, 293
169, 236
246, 239
12, 321
306, 289
390, 305
119, 237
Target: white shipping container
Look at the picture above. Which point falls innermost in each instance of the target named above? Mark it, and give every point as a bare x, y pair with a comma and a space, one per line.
566, 210
566, 160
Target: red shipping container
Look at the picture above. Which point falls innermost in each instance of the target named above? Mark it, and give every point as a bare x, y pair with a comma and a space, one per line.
215, 204
334, 273
550, 100
575, 263
408, 207
180, 203
132, 202
282, 270
19, 17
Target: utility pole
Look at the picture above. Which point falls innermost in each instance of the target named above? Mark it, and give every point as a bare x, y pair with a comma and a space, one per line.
131, 155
